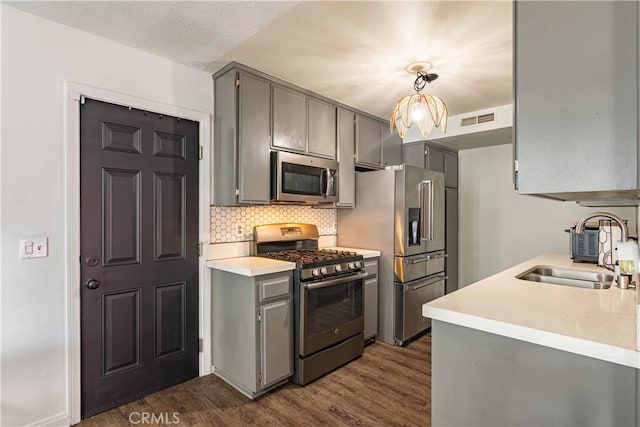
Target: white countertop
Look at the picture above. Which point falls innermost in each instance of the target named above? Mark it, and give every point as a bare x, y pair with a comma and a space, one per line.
595, 323
366, 253
251, 265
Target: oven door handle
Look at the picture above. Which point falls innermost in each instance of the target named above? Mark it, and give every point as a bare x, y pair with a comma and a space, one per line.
332, 282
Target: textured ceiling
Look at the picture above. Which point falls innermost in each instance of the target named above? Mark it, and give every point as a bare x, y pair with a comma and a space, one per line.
353, 52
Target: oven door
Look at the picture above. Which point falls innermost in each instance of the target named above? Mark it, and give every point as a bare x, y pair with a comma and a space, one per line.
298, 178
330, 311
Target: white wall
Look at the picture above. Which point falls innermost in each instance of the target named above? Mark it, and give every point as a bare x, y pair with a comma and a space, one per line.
500, 228
38, 57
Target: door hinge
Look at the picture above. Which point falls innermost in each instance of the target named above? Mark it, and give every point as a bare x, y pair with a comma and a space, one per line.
201, 152
200, 248
259, 316
82, 100
238, 192
200, 345
259, 375
515, 166
237, 82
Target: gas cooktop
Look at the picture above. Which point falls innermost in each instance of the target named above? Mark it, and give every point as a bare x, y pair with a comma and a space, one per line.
311, 256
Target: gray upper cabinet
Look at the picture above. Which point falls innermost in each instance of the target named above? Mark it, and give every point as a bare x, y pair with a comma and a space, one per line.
303, 124
391, 146
576, 99
289, 119
346, 144
242, 129
368, 142
434, 159
450, 169
414, 154
322, 128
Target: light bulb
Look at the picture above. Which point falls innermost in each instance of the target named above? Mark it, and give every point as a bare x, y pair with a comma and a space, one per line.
417, 112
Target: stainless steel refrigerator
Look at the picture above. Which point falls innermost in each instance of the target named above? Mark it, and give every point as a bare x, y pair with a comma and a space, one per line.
400, 211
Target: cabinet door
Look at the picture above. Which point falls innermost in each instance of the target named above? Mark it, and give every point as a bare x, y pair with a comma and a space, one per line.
391, 146
253, 140
322, 128
451, 238
276, 342
413, 154
289, 119
368, 142
434, 159
346, 147
451, 169
576, 88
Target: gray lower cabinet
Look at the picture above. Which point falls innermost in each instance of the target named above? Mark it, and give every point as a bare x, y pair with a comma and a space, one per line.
242, 104
368, 142
252, 330
346, 146
371, 299
576, 99
483, 379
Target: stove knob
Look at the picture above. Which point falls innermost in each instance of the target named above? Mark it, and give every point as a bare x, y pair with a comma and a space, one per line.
357, 264
315, 272
338, 267
323, 270
351, 265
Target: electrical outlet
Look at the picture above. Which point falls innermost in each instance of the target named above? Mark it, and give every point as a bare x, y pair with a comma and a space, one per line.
239, 231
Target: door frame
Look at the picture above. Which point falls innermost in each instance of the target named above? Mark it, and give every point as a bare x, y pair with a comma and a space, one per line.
74, 92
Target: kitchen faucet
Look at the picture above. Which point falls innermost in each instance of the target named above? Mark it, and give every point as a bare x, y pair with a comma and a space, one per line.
581, 223
622, 281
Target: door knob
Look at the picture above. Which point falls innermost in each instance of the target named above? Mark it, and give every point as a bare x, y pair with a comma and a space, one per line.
93, 284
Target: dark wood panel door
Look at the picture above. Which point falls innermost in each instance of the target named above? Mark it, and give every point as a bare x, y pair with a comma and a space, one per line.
139, 253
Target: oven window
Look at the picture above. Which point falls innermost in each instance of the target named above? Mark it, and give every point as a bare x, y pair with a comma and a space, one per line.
331, 307
300, 179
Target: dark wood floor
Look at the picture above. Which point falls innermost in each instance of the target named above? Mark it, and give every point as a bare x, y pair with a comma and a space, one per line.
387, 386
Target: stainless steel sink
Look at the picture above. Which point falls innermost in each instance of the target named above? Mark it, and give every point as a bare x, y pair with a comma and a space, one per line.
568, 277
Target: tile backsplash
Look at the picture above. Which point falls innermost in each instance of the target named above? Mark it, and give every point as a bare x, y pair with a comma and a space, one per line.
226, 220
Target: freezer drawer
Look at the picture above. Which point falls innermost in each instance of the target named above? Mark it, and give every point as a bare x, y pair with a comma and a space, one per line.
409, 299
415, 267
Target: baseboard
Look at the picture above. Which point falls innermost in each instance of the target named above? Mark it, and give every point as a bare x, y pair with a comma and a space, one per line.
60, 420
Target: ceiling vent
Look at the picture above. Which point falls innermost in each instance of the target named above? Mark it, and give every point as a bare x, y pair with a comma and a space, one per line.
476, 120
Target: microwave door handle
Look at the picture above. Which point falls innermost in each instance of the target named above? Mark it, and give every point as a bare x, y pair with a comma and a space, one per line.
330, 179
322, 171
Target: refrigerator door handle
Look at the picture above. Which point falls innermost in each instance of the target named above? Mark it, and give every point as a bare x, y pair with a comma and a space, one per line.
437, 279
429, 184
413, 261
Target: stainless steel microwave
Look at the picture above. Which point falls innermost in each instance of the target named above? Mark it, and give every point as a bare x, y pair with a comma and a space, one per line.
299, 178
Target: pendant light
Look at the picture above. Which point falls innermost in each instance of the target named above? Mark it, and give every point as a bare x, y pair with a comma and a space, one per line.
426, 111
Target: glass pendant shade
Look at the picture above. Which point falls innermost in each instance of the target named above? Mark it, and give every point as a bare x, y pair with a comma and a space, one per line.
426, 111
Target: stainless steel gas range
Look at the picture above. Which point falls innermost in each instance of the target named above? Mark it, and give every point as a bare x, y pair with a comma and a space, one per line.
328, 297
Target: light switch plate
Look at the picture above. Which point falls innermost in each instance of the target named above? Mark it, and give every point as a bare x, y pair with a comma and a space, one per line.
35, 247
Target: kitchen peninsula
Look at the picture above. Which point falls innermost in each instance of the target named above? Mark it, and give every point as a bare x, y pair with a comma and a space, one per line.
519, 352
